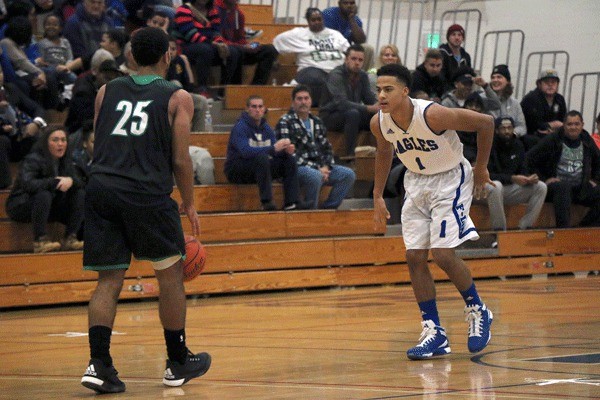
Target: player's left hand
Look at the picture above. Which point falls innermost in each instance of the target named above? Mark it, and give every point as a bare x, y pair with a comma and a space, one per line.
481, 177
380, 212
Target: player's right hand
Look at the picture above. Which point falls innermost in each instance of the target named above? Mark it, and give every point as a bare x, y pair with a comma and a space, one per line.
380, 212
192, 215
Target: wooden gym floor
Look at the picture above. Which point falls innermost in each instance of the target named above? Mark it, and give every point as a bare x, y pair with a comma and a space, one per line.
326, 344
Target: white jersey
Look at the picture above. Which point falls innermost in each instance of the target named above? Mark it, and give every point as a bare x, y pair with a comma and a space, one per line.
323, 50
420, 149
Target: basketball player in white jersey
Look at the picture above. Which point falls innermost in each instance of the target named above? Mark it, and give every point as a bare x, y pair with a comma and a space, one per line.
439, 185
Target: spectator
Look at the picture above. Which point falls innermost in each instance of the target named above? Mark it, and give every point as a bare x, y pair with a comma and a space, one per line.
596, 135
473, 102
56, 56
231, 24
509, 106
513, 184
347, 102
428, 77
157, 19
255, 156
39, 85
345, 20
544, 108
455, 56
180, 73
318, 51
46, 189
314, 156
569, 162
463, 84
388, 54
83, 157
114, 41
85, 27
203, 44
104, 69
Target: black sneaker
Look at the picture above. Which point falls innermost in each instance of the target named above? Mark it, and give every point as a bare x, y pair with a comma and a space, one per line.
102, 379
177, 374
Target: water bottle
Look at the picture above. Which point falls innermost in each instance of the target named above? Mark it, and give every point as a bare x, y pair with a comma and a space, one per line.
208, 121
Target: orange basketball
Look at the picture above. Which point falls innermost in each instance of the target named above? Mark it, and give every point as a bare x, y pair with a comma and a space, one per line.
195, 258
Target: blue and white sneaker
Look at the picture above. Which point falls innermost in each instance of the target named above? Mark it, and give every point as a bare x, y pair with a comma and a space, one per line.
433, 342
480, 320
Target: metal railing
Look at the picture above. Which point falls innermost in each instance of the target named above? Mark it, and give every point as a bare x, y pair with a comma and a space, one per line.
590, 92
506, 47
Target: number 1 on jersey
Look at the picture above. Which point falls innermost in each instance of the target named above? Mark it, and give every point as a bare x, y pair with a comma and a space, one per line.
419, 163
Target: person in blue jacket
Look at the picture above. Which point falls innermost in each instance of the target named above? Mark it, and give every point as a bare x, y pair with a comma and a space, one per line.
255, 156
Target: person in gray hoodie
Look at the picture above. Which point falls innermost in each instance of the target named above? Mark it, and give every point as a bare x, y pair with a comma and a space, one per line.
509, 106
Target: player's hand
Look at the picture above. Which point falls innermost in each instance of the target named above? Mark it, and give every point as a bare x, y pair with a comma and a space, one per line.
481, 177
380, 212
192, 215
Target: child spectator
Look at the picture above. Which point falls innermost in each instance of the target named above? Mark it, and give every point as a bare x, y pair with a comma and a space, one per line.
114, 42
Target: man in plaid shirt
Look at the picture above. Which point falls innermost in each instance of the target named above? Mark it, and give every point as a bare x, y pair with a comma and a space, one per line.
313, 152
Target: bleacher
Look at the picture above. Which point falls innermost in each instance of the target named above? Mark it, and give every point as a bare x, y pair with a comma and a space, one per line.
249, 250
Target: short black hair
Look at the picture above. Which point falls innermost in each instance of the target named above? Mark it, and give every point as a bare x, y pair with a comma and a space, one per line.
310, 11
148, 45
574, 113
118, 36
20, 30
300, 88
400, 72
355, 47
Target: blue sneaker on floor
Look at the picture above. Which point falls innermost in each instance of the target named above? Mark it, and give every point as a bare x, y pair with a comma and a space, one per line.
433, 342
480, 320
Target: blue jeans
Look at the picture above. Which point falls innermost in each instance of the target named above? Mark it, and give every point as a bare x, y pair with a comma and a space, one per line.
340, 178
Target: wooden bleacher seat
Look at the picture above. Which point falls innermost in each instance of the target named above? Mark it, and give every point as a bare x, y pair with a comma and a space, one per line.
274, 96
257, 13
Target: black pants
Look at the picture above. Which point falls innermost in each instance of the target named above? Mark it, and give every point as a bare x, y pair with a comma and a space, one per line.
350, 121
264, 56
262, 169
205, 55
46, 206
562, 195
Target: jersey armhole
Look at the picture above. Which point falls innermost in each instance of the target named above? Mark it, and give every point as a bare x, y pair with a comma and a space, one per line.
426, 123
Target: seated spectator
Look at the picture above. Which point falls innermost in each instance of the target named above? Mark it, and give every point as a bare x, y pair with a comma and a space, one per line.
318, 51
544, 108
56, 56
596, 135
388, 54
345, 20
569, 162
203, 44
85, 27
180, 73
255, 156
104, 69
428, 77
455, 56
114, 41
157, 18
38, 85
83, 157
513, 184
464, 84
473, 102
509, 106
46, 189
347, 103
314, 155
231, 24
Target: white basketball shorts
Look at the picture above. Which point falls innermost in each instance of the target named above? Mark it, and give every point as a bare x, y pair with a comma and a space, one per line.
436, 209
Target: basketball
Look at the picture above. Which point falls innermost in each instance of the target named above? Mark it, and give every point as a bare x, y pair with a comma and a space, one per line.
195, 258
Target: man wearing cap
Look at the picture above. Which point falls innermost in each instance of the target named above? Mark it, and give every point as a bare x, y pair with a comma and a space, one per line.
544, 108
509, 106
569, 162
464, 80
513, 184
455, 56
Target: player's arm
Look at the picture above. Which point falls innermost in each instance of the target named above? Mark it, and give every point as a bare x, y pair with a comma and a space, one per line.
440, 118
181, 110
98, 103
383, 163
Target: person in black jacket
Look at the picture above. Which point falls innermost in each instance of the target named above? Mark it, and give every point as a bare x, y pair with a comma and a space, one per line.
47, 189
428, 77
544, 108
513, 184
455, 56
569, 162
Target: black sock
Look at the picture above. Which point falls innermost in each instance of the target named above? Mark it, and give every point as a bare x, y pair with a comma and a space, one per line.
99, 337
176, 349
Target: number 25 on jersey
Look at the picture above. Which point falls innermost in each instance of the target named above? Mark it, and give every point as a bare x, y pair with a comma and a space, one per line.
133, 120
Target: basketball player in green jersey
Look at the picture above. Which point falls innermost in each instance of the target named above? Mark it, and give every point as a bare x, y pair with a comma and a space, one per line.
142, 127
